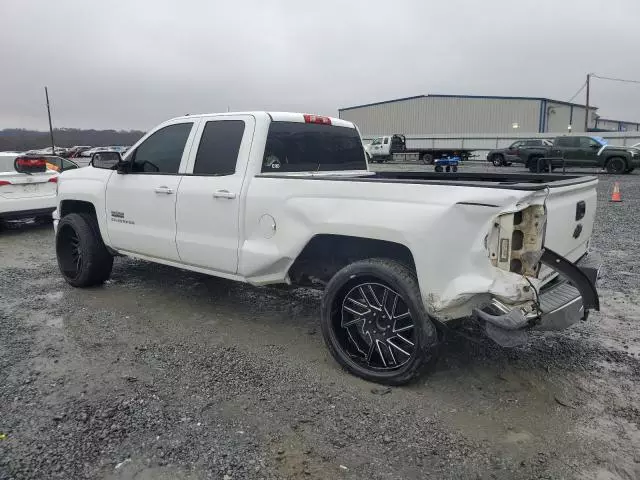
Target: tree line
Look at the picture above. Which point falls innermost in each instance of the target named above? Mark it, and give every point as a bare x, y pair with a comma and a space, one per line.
16, 139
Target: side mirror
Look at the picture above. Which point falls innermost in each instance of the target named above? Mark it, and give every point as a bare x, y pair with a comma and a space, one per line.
30, 165
106, 160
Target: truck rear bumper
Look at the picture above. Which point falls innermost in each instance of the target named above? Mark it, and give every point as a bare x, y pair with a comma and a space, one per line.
562, 303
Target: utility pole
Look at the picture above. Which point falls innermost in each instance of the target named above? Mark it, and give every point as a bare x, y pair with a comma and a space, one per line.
53, 147
586, 115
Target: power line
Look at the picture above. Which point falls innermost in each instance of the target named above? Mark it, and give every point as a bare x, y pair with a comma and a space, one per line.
615, 79
578, 92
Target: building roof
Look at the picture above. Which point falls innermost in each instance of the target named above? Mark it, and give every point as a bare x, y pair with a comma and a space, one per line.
602, 119
494, 97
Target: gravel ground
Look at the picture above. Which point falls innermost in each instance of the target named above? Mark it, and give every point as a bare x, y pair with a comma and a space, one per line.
166, 374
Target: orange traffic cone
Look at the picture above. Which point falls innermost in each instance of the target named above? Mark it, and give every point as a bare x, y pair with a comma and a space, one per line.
615, 196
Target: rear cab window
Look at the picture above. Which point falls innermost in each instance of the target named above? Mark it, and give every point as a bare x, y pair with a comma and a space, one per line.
310, 147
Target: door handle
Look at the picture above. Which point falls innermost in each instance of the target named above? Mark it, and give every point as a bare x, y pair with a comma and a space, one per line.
164, 189
224, 194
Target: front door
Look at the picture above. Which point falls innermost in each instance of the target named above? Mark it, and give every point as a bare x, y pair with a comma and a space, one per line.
588, 152
141, 203
209, 196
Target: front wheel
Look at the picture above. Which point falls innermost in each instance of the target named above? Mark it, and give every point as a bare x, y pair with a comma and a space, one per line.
83, 259
374, 322
616, 166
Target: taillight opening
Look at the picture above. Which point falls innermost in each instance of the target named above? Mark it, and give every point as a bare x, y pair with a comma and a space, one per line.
316, 119
53, 180
4, 182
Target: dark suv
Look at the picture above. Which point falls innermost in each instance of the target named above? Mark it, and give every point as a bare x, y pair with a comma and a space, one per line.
506, 156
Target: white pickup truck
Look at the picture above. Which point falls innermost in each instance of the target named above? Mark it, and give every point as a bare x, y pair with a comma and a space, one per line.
286, 198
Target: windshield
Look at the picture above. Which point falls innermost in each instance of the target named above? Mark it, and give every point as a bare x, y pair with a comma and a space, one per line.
600, 140
310, 147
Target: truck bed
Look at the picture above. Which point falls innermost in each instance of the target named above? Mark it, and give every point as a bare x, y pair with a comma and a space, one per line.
509, 181
514, 181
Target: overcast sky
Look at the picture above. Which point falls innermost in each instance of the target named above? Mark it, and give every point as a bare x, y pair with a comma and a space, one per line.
134, 63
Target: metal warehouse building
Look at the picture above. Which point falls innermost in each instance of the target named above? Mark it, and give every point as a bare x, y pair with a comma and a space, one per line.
464, 114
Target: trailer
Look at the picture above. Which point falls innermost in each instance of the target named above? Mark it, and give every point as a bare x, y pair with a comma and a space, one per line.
383, 149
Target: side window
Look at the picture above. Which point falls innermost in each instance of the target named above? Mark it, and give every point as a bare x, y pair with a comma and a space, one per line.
162, 151
593, 142
219, 147
67, 165
376, 141
566, 142
517, 144
386, 140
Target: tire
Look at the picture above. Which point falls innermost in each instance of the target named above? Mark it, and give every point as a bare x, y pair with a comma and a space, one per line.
497, 160
454, 168
427, 159
82, 256
533, 164
616, 165
438, 168
408, 339
448, 169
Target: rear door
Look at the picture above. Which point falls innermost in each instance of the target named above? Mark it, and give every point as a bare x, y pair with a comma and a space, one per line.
141, 204
209, 200
567, 148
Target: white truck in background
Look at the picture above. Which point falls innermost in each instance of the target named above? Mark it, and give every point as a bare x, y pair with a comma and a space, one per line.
287, 198
383, 149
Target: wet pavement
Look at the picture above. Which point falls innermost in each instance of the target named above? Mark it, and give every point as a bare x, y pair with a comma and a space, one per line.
163, 373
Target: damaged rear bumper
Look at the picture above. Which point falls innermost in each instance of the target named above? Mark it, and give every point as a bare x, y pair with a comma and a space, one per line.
560, 304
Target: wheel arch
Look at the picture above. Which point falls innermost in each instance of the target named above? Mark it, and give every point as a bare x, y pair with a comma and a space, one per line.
68, 206
617, 156
326, 254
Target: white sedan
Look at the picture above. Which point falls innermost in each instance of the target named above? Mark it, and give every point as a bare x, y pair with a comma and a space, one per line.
29, 192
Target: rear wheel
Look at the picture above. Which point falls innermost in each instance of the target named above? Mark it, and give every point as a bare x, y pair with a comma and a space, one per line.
427, 159
83, 258
438, 168
375, 324
497, 160
454, 168
616, 165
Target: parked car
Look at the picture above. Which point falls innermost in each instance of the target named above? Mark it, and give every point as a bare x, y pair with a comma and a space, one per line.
287, 198
581, 151
502, 157
76, 150
89, 153
27, 187
48, 151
